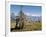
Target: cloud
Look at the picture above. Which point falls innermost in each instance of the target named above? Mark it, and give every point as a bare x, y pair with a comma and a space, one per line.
28, 14
35, 15
31, 14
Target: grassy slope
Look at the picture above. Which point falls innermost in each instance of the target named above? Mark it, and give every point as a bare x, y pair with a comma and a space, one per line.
28, 27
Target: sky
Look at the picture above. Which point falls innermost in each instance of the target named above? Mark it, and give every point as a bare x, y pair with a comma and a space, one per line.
26, 9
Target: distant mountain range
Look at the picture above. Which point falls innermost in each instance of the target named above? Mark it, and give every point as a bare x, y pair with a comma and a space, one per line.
33, 18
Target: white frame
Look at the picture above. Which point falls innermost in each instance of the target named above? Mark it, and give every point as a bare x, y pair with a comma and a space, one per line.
10, 34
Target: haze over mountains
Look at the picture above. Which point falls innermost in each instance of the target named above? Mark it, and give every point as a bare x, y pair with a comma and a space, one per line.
33, 18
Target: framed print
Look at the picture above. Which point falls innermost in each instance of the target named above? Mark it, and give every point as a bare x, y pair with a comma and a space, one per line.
23, 18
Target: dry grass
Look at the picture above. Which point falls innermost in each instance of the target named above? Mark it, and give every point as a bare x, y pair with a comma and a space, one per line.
28, 26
